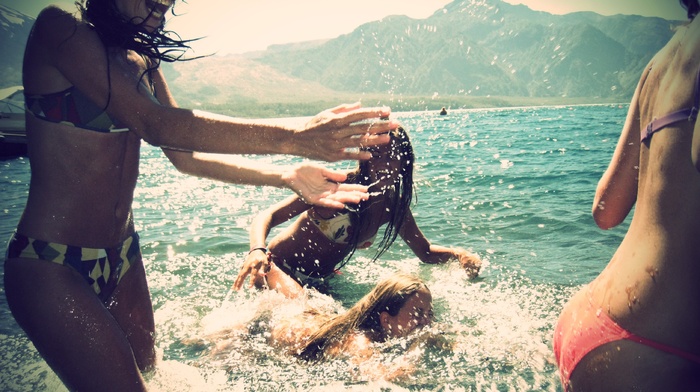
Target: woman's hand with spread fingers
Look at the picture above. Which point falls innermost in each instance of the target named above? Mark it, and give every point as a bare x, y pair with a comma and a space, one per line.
256, 264
336, 134
323, 187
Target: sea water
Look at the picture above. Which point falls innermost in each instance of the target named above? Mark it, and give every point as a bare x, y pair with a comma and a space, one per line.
514, 185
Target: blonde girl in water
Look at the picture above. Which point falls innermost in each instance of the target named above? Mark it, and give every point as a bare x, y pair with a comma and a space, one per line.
398, 307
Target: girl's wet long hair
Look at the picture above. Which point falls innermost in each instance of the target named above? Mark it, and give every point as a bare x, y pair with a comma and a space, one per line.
691, 6
115, 31
398, 196
389, 296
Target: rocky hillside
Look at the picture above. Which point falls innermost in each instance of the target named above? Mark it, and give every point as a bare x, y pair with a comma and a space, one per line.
468, 50
483, 48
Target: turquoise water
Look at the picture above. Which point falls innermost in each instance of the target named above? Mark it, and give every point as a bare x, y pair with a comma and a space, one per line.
514, 185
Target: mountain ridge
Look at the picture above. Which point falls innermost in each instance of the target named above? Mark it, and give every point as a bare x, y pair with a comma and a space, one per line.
466, 54
485, 48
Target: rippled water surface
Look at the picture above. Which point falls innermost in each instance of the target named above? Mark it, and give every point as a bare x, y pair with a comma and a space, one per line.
514, 185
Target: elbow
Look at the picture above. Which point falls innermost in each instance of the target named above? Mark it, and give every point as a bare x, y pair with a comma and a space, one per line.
184, 162
607, 224
147, 132
186, 169
153, 141
151, 135
428, 257
611, 214
162, 126
600, 216
604, 225
603, 220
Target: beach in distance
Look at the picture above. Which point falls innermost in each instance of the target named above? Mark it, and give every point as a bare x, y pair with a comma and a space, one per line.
300, 104
514, 185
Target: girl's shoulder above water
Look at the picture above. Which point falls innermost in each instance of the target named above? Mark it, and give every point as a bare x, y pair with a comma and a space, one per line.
54, 16
55, 25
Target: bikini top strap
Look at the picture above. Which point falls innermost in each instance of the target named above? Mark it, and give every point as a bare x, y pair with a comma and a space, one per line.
696, 105
690, 114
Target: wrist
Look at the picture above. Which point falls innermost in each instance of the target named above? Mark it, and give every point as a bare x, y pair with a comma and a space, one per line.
287, 142
291, 179
259, 248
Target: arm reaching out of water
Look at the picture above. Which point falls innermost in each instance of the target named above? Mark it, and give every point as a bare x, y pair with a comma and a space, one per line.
257, 263
436, 254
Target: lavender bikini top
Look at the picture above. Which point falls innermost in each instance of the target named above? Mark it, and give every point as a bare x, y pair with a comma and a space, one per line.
690, 114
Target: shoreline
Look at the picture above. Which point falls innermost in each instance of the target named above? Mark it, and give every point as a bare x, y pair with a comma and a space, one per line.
299, 120
266, 109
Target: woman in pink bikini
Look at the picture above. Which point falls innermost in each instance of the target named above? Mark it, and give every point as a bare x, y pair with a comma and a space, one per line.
637, 325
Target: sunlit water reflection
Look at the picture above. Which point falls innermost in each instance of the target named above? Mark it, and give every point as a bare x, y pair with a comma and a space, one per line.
514, 185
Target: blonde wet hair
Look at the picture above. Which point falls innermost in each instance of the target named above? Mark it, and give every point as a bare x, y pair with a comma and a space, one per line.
389, 296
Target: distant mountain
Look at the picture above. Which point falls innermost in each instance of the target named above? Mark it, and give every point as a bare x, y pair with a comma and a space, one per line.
214, 81
14, 30
472, 48
482, 48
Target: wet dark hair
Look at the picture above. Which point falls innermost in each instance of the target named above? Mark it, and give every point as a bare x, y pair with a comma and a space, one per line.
400, 195
117, 32
691, 6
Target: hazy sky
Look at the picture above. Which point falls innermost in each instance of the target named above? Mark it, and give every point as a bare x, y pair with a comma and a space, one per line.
236, 26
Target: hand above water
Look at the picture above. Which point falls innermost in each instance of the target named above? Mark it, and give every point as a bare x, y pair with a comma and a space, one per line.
256, 264
336, 134
323, 187
471, 262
